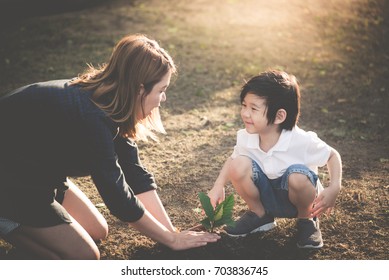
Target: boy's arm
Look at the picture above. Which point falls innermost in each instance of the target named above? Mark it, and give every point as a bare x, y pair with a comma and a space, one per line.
217, 194
334, 166
326, 199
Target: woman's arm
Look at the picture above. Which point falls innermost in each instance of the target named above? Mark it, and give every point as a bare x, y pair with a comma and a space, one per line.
154, 206
112, 167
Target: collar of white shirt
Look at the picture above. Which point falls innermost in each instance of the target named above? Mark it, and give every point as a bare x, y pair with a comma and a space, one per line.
281, 145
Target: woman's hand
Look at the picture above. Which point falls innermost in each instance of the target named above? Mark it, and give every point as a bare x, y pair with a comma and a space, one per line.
191, 239
152, 228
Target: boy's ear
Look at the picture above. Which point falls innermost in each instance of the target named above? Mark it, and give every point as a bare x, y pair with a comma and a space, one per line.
280, 116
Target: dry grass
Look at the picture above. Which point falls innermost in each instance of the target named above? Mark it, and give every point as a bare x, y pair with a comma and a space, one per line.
337, 49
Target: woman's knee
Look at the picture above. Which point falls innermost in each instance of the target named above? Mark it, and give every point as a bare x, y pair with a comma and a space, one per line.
97, 228
100, 232
103, 231
89, 253
47, 244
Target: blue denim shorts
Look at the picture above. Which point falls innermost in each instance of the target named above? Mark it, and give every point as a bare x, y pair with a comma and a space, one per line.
274, 192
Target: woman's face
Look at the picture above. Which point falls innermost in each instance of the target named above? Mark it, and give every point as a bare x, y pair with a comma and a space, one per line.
156, 96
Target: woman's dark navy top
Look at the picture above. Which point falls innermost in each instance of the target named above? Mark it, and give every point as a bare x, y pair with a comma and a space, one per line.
52, 130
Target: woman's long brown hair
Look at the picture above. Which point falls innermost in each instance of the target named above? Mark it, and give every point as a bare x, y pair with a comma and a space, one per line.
135, 61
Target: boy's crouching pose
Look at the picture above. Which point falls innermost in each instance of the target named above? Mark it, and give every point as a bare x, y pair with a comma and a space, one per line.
274, 164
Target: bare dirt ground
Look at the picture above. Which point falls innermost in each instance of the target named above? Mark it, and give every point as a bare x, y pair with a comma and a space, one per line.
337, 49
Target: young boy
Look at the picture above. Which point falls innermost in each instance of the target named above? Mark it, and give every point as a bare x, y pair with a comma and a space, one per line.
274, 164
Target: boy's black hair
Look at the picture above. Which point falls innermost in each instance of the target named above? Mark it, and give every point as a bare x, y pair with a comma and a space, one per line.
280, 91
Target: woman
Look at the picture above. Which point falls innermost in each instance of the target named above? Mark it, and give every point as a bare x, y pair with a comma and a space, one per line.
86, 126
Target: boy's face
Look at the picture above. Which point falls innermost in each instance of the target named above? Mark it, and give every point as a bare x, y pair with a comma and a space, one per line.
253, 113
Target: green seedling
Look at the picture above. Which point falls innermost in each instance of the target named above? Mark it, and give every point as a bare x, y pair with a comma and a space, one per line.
218, 216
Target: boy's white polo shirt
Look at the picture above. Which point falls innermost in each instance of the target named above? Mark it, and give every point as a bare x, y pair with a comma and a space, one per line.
294, 146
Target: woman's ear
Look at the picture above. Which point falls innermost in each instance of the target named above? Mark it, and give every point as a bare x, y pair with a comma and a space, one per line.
141, 89
280, 116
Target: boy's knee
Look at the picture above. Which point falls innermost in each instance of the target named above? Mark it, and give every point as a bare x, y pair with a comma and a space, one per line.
240, 168
298, 181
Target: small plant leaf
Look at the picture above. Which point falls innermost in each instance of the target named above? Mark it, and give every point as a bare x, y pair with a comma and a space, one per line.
207, 206
219, 212
224, 221
228, 206
221, 215
206, 223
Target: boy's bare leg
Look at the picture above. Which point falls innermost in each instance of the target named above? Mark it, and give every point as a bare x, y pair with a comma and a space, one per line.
301, 194
240, 174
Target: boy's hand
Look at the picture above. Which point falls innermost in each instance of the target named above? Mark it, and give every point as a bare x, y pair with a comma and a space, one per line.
216, 195
325, 201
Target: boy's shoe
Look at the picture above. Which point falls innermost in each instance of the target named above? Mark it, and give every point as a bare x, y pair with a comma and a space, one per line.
309, 234
250, 223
